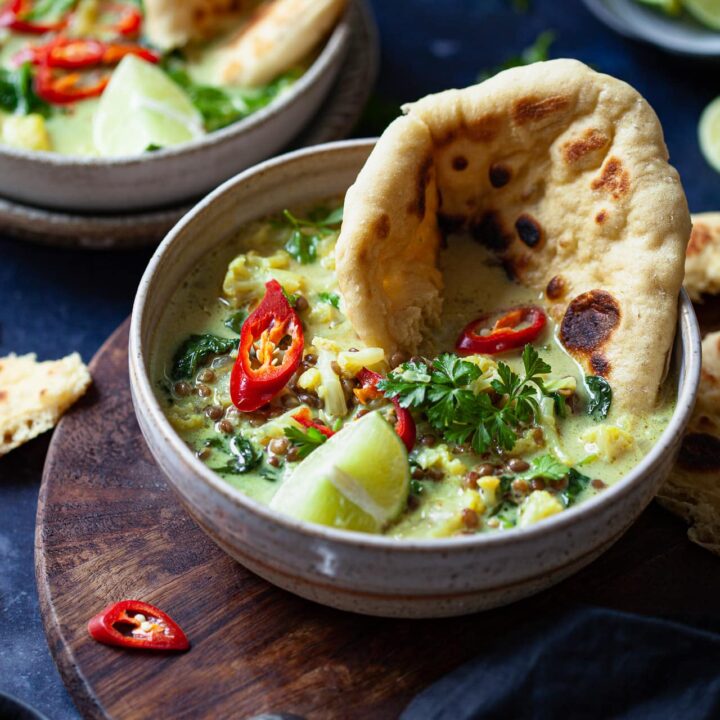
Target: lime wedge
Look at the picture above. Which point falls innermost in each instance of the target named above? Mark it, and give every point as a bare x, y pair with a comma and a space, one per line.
143, 108
709, 133
357, 480
669, 7
706, 11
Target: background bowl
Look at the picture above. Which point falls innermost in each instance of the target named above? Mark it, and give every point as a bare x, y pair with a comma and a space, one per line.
681, 35
179, 174
353, 571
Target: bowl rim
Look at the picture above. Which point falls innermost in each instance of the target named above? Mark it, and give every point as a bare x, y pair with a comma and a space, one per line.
332, 51
146, 403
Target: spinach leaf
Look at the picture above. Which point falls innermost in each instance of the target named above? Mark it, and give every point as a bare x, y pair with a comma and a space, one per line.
245, 457
303, 247
235, 321
416, 487
195, 350
330, 298
219, 106
577, 482
600, 392
17, 94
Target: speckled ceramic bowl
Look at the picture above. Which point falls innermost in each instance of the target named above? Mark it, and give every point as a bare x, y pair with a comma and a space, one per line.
348, 570
176, 175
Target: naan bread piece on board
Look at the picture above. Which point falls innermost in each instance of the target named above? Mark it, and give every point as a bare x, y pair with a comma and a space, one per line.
277, 37
693, 489
33, 395
563, 172
174, 23
702, 263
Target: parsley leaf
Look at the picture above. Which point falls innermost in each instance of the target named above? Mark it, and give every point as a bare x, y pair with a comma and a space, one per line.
306, 233
195, 350
330, 298
545, 466
235, 321
303, 247
305, 440
537, 52
600, 392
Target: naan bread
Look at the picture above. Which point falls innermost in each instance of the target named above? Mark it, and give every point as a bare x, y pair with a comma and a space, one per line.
702, 263
280, 35
171, 23
693, 489
33, 395
560, 170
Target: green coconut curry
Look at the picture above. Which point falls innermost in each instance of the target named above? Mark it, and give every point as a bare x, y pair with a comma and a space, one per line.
79, 77
448, 442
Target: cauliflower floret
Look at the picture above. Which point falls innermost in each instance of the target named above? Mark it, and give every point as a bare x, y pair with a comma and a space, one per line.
440, 458
353, 362
608, 441
27, 132
539, 505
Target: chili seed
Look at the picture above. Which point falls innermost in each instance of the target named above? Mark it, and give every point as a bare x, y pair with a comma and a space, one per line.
428, 440
214, 412
207, 376
470, 518
485, 469
301, 304
279, 446
203, 390
598, 484
183, 389
274, 461
225, 426
517, 465
471, 479
398, 358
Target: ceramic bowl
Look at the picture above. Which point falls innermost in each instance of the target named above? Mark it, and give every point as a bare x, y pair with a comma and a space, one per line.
679, 35
348, 570
179, 174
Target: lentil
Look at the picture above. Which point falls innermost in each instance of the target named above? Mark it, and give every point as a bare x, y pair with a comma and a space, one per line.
225, 426
517, 465
182, 388
301, 304
207, 376
214, 412
279, 446
203, 390
470, 518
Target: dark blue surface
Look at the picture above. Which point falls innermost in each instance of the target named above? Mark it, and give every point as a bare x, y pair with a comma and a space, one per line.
55, 301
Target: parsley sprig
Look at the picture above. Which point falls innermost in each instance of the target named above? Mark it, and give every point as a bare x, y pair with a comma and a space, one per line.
444, 393
306, 233
305, 440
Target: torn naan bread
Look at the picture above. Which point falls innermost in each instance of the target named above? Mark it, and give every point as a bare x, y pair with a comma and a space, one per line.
277, 37
693, 489
33, 395
563, 172
171, 24
702, 262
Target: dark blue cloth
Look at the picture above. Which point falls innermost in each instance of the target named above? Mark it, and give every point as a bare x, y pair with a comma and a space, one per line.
583, 663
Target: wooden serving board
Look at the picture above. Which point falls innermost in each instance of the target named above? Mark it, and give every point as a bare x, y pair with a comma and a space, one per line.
109, 528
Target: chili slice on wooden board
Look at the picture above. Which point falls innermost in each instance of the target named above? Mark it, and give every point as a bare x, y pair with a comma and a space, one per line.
263, 366
405, 425
137, 625
502, 335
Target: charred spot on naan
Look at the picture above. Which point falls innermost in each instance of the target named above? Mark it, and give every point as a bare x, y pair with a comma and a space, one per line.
382, 227
449, 223
534, 109
589, 321
489, 230
579, 149
601, 217
459, 163
700, 452
600, 364
499, 175
529, 230
613, 179
424, 177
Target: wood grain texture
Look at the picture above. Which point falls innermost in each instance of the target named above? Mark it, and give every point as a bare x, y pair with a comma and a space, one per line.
110, 528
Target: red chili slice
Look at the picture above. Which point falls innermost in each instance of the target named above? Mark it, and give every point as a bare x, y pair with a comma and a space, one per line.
13, 15
136, 624
304, 417
129, 21
260, 371
77, 54
405, 425
67, 88
502, 335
